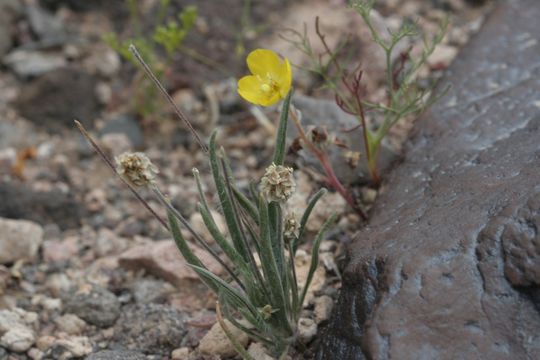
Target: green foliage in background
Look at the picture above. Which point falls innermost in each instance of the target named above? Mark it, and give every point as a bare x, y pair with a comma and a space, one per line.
162, 39
404, 95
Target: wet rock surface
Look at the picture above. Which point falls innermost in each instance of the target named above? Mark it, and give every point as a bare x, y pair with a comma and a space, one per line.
449, 265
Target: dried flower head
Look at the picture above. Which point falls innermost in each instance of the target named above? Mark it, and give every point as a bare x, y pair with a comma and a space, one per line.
136, 168
291, 227
278, 183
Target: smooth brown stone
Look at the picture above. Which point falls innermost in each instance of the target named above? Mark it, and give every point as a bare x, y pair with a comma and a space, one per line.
449, 264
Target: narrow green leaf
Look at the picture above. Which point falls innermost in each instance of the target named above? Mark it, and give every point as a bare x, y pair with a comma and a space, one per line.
247, 205
253, 235
228, 289
276, 233
279, 151
261, 327
315, 257
305, 217
253, 192
234, 208
269, 265
185, 250
232, 224
212, 227
238, 195
172, 211
220, 239
275, 215
268, 261
234, 342
293, 280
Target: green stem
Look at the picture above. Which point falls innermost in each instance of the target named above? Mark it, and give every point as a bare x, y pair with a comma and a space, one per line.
283, 355
390, 76
237, 346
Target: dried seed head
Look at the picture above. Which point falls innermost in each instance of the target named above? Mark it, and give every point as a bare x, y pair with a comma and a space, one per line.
136, 168
291, 227
278, 183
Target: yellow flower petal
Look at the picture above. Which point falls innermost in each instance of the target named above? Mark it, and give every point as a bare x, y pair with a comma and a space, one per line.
249, 87
271, 79
263, 62
270, 99
285, 80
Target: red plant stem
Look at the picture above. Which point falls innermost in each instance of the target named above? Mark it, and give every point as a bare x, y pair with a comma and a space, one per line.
328, 169
334, 181
372, 158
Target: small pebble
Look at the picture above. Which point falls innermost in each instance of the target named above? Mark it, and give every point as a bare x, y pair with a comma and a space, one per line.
307, 329
323, 308
180, 354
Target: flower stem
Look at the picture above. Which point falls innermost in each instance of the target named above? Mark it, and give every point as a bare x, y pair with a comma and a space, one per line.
237, 346
327, 166
109, 163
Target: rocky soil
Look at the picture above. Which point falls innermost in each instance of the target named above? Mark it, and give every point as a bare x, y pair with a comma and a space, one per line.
85, 271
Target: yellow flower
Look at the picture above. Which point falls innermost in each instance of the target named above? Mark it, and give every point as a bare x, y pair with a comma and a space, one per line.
271, 79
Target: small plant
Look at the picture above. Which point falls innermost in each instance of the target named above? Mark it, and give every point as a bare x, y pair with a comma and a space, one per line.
260, 294
269, 82
166, 38
404, 97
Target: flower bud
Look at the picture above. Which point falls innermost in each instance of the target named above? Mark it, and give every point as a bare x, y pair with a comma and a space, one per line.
291, 227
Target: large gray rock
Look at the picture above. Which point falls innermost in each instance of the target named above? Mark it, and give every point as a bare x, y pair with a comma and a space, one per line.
19, 240
44, 24
150, 328
10, 10
127, 125
21, 202
449, 266
16, 333
55, 99
97, 306
78, 5
116, 355
32, 63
